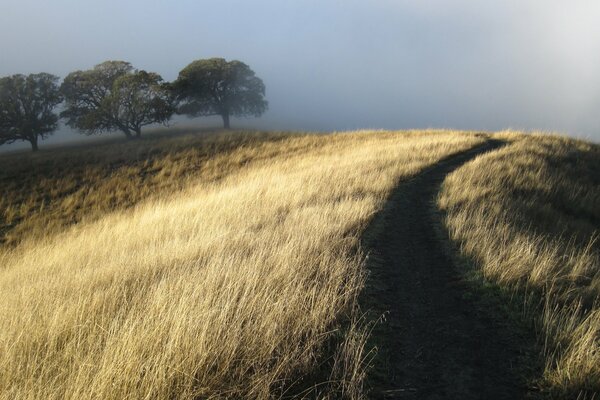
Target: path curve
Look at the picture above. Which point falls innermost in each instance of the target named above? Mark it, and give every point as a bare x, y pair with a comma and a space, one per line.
437, 340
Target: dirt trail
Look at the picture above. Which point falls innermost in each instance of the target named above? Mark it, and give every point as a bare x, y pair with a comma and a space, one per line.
438, 340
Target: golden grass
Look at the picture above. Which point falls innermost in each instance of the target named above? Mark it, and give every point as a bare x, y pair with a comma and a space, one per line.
227, 288
50, 190
529, 216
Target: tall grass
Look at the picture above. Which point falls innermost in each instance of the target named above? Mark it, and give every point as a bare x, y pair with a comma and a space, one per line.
529, 216
50, 190
228, 288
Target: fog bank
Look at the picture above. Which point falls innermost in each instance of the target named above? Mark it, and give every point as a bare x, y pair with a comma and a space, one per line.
337, 65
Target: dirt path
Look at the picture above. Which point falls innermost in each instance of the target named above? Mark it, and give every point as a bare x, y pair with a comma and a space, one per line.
438, 340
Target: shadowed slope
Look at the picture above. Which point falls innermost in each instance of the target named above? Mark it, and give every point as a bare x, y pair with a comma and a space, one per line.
437, 341
529, 216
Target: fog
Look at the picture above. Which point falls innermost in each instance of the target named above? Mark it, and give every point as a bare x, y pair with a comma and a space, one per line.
337, 65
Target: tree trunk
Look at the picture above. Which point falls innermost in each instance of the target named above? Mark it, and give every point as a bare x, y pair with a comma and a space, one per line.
138, 133
34, 144
225, 116
127, 133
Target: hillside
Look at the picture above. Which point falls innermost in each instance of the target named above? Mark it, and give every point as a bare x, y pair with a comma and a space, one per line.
528, 218
371, 264
231, 280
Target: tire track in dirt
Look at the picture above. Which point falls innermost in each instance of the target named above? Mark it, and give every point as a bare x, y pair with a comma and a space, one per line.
438, 340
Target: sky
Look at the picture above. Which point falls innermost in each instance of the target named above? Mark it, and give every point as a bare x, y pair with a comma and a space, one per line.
343, 64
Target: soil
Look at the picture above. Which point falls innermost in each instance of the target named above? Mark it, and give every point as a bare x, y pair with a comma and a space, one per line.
438, 337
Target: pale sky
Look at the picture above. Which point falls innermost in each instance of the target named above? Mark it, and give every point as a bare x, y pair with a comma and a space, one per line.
337, 65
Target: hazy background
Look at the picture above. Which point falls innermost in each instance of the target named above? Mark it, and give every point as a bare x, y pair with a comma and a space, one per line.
343, 64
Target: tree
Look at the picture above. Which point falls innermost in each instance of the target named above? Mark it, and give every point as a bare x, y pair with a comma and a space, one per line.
114, 96
26, 107
217, 87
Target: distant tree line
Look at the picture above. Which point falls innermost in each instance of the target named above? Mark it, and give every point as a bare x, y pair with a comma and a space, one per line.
113, 96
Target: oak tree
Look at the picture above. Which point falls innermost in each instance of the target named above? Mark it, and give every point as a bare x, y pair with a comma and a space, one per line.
114, 96
27, 107
218, 87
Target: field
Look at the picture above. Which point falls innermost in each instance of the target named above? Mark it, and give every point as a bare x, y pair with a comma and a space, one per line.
196, 267
291, 265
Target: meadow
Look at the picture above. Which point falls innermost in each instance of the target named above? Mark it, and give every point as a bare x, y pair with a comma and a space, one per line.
196, 266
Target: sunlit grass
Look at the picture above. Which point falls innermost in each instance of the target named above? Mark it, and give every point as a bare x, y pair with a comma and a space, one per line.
227, 283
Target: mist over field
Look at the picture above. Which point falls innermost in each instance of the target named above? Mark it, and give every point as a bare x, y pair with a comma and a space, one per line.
338, 65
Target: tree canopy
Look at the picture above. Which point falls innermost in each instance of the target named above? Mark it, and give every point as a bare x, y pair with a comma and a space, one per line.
115, 96
218, 87
26, 107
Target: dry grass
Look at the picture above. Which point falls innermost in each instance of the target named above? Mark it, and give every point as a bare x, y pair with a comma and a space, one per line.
529, 216
226, 288
53, 189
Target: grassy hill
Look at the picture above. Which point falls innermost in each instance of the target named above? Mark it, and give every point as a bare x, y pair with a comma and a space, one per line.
202, 266
229, 265
528, 218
